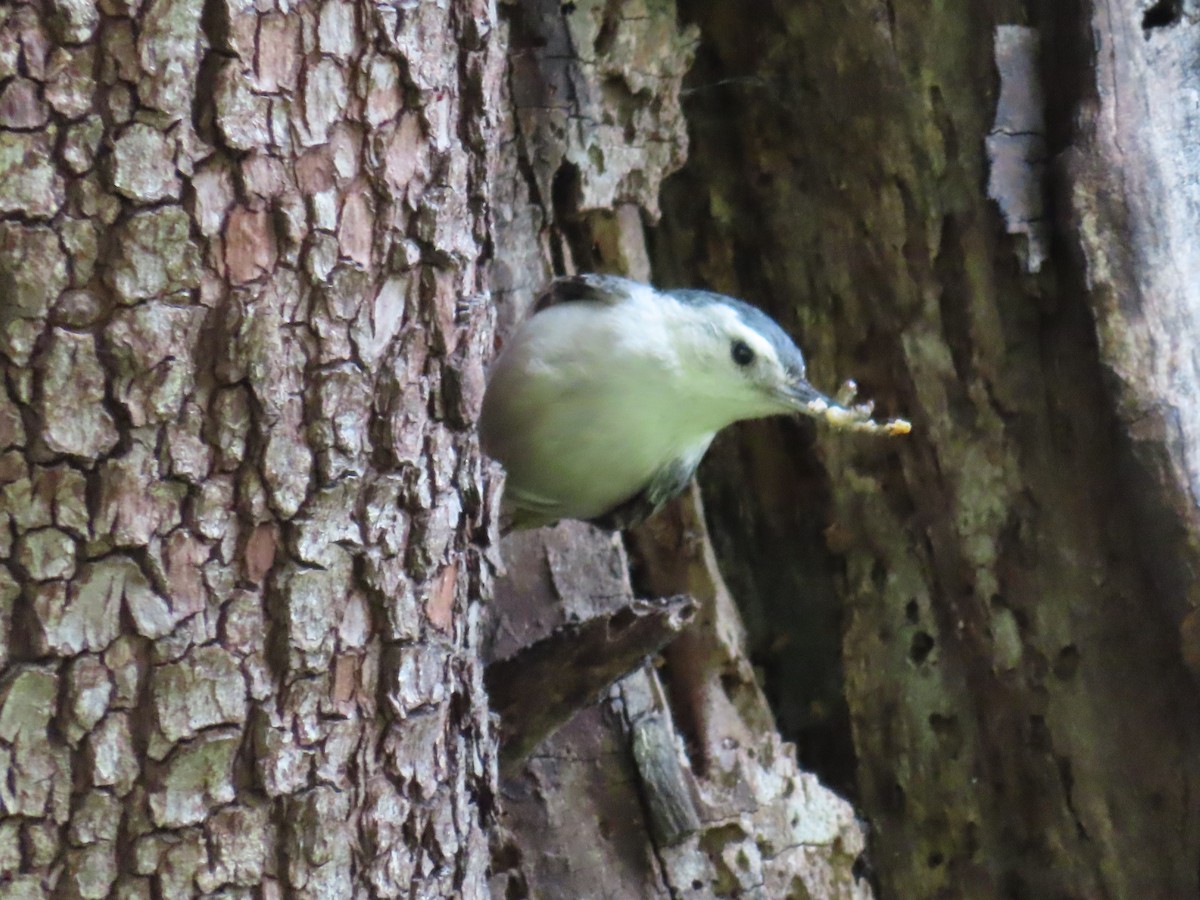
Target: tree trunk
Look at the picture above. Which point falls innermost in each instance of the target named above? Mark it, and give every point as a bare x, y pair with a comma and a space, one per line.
1010, 590
244, 330
247, 270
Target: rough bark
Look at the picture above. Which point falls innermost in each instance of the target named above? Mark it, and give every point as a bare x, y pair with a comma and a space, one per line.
615, 804
1131, 204
245, 312
240, 252
1015, 582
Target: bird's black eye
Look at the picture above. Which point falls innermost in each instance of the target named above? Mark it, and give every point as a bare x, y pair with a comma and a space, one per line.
741, 353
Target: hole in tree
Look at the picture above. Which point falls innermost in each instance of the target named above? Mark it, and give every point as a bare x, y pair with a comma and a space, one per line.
1067, 662
921, 647
861, 868
1162, 14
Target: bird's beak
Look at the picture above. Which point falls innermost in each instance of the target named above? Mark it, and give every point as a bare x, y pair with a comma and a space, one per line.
841, 412
804, 398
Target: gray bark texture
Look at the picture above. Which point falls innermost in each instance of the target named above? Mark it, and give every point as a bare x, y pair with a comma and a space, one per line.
242, 267
253, 262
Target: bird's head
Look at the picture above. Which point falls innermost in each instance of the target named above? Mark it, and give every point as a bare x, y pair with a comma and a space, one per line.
737, 359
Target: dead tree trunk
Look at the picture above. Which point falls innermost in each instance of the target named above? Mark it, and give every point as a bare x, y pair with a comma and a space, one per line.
240, 259
1010, 592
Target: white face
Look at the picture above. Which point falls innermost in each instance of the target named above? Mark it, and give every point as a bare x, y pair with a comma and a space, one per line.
731, 365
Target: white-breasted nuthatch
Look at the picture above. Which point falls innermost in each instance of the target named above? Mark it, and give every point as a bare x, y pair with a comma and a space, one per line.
601, 406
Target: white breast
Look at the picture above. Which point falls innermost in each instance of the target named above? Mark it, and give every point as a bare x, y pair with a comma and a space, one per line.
585, 404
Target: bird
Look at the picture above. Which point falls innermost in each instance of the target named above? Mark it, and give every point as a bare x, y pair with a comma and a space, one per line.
601, 406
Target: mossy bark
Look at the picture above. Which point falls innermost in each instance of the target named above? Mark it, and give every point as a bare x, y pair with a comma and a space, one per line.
1003, 587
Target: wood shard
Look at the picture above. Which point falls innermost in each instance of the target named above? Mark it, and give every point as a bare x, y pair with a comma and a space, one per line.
440, 605
542, 686
1016, 145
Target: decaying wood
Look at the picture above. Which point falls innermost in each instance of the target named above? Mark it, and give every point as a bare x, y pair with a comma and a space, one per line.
1006, 595
591, 82
611, 803
1133, 206
537, 689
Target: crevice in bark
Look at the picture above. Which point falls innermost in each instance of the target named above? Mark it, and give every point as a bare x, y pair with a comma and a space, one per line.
1162, 14
566, 221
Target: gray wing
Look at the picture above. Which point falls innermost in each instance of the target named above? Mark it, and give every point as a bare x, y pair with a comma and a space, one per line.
590, 288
